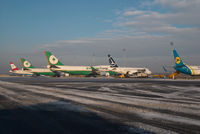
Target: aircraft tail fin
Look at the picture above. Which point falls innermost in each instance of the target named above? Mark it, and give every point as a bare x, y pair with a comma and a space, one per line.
51, 59
26, 64
177, 59
111, 61
164, 68
13, 67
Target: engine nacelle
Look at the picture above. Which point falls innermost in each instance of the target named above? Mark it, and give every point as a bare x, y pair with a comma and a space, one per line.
104, 74
66, 75
48, 66
63, 74
60, 74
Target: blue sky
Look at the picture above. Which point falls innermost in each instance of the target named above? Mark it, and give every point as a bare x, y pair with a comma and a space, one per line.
75, 30
29, 23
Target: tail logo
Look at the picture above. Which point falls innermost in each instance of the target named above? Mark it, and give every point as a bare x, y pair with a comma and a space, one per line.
177, 60
13, 66
27, 64
53, 59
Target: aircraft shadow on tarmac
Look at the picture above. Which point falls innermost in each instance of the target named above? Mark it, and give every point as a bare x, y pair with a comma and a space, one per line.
45, 118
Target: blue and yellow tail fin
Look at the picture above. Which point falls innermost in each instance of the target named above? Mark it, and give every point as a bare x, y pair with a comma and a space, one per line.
177, 59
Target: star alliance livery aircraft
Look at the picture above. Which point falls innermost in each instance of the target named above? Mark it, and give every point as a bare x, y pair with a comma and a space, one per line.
36, 71
181, 67
129, 71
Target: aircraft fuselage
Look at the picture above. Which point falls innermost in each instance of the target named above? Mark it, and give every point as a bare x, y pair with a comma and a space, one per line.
189, 70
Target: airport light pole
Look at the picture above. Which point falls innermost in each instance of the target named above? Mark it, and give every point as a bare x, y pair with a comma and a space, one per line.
172, 44
93, 59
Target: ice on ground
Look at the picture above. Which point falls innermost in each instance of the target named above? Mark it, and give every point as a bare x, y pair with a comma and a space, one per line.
106, 89
122, 100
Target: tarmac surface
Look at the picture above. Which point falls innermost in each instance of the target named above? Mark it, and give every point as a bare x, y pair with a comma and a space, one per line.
98, 105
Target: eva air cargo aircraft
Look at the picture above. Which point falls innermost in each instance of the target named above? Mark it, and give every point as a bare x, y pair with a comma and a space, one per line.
57, 66
184, 68
36, 71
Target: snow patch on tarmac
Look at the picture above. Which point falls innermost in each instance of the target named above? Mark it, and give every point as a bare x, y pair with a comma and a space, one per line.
120, 98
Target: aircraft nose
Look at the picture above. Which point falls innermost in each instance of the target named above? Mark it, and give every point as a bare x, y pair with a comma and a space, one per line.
148, 71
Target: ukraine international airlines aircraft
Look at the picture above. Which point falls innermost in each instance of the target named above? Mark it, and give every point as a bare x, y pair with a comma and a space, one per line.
181, 67
16, 71
128, 71
36, 71
57, 66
